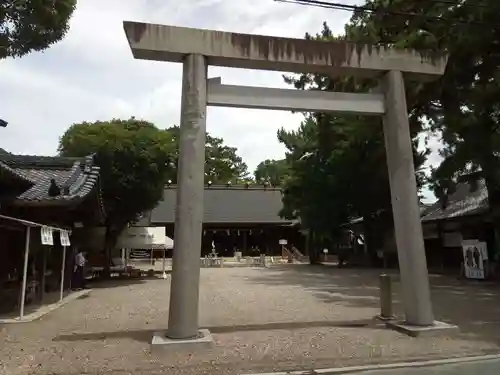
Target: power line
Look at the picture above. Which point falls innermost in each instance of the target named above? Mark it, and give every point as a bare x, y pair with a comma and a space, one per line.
342, 6
368, 9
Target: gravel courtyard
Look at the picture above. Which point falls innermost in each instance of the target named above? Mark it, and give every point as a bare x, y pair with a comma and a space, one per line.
283, 317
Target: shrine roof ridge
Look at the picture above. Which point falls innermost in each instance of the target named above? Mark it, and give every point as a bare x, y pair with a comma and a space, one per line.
222, 205
468, 199
251, 186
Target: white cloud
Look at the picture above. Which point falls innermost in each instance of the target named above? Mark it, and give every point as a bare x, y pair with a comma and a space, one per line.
91, 74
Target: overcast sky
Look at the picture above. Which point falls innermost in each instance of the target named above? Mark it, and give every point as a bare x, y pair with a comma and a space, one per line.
91, 74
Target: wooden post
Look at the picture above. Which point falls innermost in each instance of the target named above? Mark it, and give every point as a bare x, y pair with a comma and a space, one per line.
25, 272
63, 267
44, 271
245, 243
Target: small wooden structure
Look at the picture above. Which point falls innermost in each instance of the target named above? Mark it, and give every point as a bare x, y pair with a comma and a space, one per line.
461, 215
35, 192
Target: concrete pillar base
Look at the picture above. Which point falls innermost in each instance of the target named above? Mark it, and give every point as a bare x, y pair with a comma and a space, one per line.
161, 342
436, 329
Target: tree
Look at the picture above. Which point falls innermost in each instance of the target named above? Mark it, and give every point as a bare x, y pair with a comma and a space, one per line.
222, 163
337, 163
463, 105
273, 171
134, 157
32, 25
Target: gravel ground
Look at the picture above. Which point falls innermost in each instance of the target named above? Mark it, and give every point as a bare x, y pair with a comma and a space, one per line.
284, 317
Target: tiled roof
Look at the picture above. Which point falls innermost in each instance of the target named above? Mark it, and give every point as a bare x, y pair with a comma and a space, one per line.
76, 177
6, 170
465, 201
226, 205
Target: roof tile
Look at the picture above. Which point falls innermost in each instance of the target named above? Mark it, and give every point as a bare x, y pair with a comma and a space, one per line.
225, 205
465, 201
39, 170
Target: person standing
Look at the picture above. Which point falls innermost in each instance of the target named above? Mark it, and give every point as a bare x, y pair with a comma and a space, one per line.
79, 270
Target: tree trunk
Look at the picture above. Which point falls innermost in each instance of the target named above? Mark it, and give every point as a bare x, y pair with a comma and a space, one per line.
110, 239
313, 248
371, 240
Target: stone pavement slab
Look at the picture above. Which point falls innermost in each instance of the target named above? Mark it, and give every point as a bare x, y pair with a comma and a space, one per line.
487, 365
286, 317
483, 367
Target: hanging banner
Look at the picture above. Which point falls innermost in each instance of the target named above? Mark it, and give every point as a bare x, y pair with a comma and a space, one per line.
130, 238
46, 234
64, 236
140, 254
475, 259
144, 238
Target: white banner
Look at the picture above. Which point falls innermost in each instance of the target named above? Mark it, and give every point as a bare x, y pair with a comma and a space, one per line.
64, 236
130, 238
475, 259
144, 238
46, 234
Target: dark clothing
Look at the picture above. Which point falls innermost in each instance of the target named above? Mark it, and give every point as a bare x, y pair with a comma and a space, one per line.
79, 278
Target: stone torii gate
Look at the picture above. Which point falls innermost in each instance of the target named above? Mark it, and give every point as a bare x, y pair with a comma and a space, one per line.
197, 49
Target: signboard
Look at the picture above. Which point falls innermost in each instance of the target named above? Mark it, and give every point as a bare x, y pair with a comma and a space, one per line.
475, 259
64, 236
283, 242
46, 234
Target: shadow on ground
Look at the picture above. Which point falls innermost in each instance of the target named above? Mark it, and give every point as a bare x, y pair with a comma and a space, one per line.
116, 282
473, 306
146, 335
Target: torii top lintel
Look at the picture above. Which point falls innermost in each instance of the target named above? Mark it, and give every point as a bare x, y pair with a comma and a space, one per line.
172, 43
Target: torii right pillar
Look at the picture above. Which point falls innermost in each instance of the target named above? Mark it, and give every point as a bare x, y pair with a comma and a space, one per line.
416, 293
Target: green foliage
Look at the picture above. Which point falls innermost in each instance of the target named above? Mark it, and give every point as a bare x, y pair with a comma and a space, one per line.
273, 171
136, 160
134, 157
32, 25
464, 105
337, 163
222, 163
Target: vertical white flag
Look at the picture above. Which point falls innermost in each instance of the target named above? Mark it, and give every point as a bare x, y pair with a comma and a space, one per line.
46, 235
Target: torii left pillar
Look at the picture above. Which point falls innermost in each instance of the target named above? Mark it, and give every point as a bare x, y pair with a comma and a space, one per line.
184, 290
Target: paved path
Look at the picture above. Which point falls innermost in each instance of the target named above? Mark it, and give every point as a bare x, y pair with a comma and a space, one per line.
489, 367
284, 318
